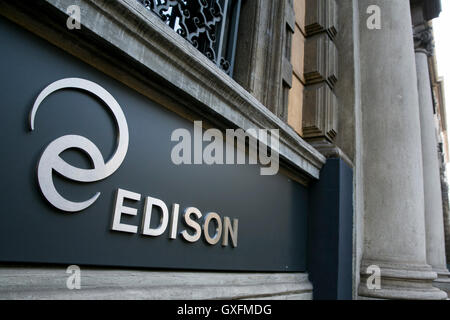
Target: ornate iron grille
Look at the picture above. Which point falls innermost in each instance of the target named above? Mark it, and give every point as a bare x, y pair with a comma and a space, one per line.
209, 25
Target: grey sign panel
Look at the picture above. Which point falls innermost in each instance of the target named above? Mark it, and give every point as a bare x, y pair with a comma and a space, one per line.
271, 210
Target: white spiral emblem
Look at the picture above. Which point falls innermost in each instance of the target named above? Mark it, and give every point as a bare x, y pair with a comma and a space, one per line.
51, 160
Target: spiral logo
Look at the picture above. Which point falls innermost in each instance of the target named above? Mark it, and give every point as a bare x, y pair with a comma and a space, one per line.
51, 160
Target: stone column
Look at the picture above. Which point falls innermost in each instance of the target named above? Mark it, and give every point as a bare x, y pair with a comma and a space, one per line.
434, 215
394, 221
445, 204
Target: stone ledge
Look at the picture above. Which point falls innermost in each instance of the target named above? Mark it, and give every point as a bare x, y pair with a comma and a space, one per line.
143, 38
17, 282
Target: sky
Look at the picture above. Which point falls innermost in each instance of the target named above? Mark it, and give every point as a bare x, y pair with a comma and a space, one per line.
441, 28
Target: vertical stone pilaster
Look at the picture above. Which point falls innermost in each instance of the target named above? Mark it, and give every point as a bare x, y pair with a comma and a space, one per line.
394, 228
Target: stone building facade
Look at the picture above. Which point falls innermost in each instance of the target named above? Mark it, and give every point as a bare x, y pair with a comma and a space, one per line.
350, 85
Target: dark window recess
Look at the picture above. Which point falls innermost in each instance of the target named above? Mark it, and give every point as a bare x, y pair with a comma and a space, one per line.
211, 26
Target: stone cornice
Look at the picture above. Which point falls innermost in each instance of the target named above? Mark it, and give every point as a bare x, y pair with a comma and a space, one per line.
142, 38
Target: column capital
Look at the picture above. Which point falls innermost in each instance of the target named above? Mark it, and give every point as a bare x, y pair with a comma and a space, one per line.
424, 40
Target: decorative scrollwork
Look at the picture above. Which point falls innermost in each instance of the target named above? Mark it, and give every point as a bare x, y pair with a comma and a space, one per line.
198, 21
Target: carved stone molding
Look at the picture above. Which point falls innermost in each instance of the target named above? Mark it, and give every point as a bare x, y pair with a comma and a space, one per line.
319, 113
321, 17
330, 150
424, 41
320, 106
320, 60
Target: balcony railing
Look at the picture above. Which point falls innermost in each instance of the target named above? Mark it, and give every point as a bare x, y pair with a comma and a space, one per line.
211, 26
